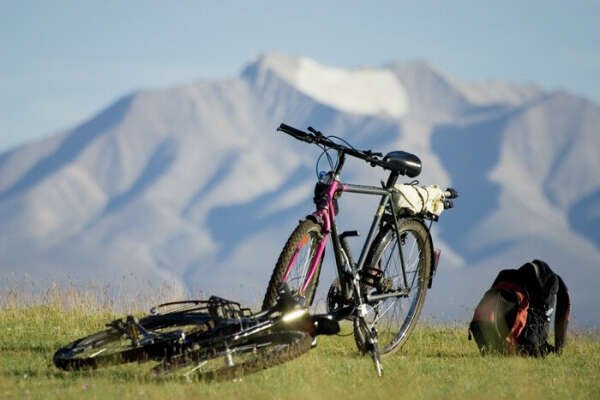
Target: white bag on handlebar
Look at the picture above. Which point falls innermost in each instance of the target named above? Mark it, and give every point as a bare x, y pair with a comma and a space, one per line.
419, 199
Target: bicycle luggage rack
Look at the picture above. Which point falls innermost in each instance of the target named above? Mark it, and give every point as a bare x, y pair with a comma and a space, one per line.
215, 306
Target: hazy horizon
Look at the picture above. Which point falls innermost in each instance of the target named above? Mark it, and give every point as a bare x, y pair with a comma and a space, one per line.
64, 61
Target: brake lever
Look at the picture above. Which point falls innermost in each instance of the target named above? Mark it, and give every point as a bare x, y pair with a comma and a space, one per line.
372, 158
372, 154
317, 133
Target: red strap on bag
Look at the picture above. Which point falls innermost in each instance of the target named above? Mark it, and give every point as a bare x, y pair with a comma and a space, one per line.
511, 340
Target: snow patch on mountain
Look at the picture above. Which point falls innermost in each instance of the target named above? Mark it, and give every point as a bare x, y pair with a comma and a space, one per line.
361, 90
490, 92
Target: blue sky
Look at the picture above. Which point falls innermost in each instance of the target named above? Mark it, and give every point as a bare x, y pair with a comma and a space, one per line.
62, 61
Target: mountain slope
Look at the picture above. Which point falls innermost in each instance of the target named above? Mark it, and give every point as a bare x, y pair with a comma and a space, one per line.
191, 186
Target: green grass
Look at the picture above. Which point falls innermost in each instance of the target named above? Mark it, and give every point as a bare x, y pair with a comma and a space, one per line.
436, 362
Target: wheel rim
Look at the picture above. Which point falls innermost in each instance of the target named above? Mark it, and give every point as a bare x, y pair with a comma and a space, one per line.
393, 316
105, 344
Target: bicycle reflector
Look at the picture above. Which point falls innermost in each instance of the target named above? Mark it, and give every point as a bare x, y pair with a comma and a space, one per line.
294, 314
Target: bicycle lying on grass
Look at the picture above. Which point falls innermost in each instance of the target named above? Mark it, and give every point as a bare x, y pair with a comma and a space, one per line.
382, 294
213, 339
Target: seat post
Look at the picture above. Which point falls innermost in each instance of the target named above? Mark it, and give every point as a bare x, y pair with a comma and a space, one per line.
392, 180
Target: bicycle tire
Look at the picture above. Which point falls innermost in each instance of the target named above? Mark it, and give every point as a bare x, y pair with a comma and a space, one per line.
111, 347
306, 233
395, 328
256, 354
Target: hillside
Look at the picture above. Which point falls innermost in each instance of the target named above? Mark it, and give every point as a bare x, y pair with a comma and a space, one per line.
191, 186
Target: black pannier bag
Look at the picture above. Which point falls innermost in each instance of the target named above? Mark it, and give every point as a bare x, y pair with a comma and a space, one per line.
514, 314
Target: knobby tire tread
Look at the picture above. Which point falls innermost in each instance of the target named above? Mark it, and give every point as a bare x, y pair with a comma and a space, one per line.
64, 361
262, 361
285, 256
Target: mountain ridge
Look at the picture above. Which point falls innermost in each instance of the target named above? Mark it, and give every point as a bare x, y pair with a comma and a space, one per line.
190, 185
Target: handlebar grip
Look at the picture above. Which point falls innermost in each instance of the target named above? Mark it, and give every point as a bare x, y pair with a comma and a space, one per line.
451, 193
297, 133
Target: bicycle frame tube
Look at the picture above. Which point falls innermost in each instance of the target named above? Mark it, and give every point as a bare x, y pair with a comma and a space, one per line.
325, 213
385, 198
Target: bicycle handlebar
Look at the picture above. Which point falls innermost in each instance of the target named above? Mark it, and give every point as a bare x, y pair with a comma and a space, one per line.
317, 137
297, 133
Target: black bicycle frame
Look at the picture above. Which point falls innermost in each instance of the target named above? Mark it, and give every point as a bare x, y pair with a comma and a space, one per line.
335, 189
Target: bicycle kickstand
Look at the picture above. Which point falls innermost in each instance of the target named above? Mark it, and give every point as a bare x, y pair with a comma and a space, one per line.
375, 352
370, 341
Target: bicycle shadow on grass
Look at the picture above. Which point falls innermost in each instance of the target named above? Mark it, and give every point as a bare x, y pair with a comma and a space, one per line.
114, 375
451, 355
36, 349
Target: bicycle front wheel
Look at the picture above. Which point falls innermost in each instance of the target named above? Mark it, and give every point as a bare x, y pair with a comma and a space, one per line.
293, 265
226, 362
395, 317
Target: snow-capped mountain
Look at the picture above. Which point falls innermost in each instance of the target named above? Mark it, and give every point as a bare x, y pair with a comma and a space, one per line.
191, 186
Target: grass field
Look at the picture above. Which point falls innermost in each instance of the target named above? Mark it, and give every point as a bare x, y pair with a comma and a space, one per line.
436, 362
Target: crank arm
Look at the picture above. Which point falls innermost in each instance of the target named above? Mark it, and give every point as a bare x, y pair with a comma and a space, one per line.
136, 332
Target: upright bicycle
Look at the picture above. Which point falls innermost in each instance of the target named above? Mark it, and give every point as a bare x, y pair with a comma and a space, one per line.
385, 289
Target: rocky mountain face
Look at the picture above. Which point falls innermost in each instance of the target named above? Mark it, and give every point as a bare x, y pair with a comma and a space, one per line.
191, 186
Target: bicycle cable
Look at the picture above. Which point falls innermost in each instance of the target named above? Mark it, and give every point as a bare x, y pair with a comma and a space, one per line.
326, 152
329, 159
343, 141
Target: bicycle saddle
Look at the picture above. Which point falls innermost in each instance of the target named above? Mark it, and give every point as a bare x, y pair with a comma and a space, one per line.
403, 163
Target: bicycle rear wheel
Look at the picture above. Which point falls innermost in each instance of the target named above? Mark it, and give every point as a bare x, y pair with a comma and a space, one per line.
294, 264
227, 362
112, 346
395, 317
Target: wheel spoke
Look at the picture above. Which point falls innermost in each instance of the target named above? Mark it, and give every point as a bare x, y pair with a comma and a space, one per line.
301, 267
